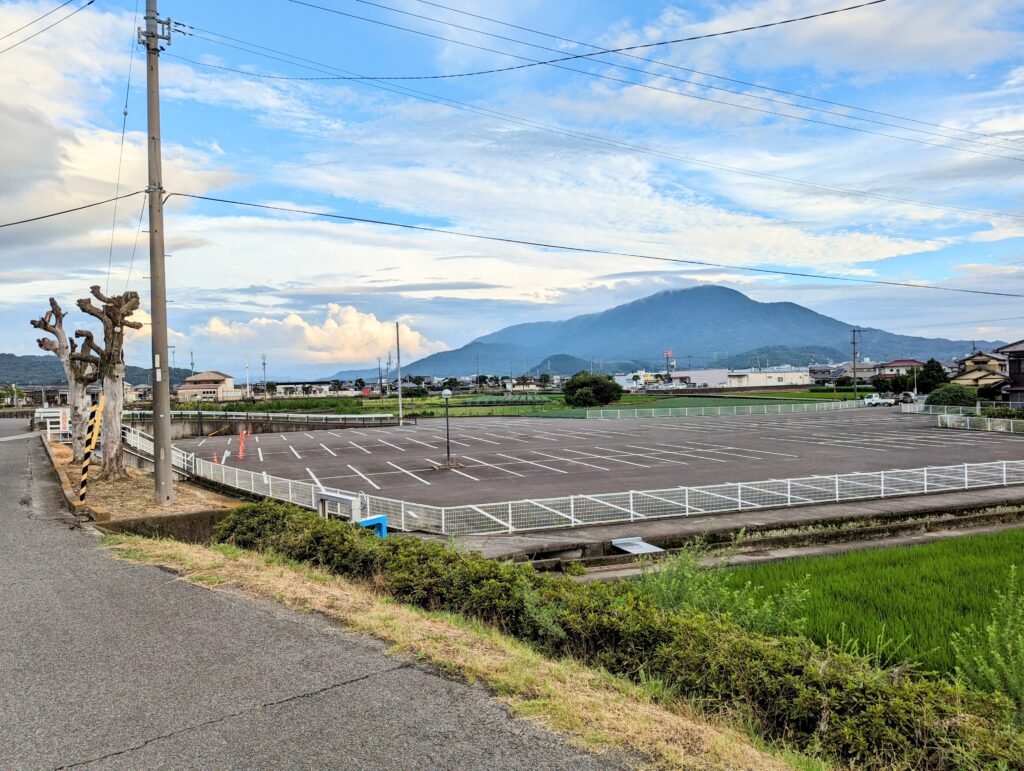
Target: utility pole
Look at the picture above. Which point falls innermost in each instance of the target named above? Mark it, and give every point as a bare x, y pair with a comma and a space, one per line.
156, 30
380, 379
192, 360
476, 384
853, 343
398, 364
263, 356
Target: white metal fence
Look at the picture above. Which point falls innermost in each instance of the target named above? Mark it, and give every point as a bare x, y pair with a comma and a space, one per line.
824, 405
631, 506
982, 424
291, 417
937, 409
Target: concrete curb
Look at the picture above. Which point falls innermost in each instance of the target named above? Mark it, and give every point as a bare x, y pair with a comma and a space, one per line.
79, 510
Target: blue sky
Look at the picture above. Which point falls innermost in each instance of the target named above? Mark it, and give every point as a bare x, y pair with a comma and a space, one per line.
316, 295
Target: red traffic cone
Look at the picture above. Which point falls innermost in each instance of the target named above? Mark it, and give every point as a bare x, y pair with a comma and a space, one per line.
241, 451
249, 432
215, 461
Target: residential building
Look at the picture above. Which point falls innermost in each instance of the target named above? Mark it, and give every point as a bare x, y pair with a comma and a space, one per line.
982, 369
209, 386
769, 377
1014, 353
897, 367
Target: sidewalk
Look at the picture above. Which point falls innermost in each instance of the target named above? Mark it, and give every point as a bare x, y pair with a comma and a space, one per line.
107, 664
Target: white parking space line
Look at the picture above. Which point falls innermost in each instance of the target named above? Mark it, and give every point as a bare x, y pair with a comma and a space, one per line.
658, 456
224, 459
360, 448
400, 449
334, 434
479, 439
332, 452
541, 435
284, 437
435, 464
491, 465
354, 431
260, 453
230, 440
728, 447
568, 460
201, 444
432, 447
512, 438
605, 457
404, 471
313, 477
365, 478
309, 435
295, 452
532, 463
257, 439
694, 452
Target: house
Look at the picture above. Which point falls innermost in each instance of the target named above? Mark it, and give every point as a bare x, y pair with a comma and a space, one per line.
209, 386
897, 367
1014, 353
982, 369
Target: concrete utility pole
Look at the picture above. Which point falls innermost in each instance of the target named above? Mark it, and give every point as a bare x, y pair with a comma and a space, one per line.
398, 365
853, 343
156, 30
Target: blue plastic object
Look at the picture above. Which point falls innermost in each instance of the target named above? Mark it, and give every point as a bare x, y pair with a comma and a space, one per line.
379, 525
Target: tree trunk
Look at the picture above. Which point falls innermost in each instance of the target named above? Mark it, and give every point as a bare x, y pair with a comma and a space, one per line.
78, 402
113, 451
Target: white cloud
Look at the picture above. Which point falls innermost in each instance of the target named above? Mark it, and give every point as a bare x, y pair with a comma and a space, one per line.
345, 335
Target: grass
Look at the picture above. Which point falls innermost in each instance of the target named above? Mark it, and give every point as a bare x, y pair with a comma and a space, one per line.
597, 712
914, 597
807, 395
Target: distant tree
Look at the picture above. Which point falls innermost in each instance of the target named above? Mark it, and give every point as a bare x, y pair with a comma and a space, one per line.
596, 390
307, 389
953, 395
845, 380
931, 376
419, 379
544, 379
524, 380
360, 384
271, 387
336, 386
494, 380
481, 380
451, 383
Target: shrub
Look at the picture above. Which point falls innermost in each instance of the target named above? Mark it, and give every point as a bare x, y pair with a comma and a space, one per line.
819, 698
953, 395
588, 390
992, 658
1002, 412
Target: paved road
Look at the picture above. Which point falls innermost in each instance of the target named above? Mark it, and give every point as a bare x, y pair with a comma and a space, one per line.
512, 458
110, 665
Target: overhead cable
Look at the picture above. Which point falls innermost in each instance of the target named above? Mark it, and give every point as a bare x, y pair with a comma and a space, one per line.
70, 211
49, 26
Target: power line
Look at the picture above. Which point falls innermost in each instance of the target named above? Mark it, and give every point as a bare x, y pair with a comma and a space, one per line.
662, 63
586, 250
120, 153
35, 20
539, 125
69, 211
626, 81
49, 26
998, 143
605, 50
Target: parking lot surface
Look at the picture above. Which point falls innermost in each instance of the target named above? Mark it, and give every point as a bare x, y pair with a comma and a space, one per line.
513, 458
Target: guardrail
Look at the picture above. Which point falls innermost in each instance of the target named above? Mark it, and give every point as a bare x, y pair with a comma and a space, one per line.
753, 409
605, 508
937, 409
291, 417
1006, 425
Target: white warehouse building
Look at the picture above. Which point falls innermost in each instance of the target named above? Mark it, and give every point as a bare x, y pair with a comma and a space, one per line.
774, 376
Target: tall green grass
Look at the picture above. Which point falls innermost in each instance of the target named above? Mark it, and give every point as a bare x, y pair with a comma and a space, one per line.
907, 602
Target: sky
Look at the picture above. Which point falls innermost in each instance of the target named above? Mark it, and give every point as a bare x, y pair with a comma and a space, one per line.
717, 150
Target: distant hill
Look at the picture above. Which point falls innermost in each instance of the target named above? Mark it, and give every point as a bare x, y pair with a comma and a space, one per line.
774, 355
46, 370
708, 323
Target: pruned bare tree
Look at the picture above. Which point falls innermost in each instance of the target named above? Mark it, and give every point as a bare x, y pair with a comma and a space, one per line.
108, 359
79, 374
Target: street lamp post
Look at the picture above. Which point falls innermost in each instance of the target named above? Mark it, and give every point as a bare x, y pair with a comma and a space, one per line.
446, 394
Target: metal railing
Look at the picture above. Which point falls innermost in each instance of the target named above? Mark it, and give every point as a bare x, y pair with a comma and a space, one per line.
937, 409
753, 409
1006, 425
291, 417
605, 508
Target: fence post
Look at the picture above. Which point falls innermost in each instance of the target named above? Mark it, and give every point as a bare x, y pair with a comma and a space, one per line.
837, 488
632, 511
443, 531
926, 479
1004, 473
789, 492
290, 491
881, 490
572, 510
403, 514
739, 496
686, 500
510, 528
966, 483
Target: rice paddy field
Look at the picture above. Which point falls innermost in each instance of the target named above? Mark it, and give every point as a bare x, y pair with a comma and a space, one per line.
916, 594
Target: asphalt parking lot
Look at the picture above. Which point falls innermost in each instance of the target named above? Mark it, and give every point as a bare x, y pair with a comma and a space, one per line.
512, 458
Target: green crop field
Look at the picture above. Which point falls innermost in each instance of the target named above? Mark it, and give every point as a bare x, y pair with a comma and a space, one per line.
712, 401
919, 593
808, 395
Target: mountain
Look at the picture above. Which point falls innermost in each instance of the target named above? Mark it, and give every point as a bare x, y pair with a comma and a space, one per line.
46, 370
707, 323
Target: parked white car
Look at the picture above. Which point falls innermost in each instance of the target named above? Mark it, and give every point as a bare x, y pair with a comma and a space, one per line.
876, 400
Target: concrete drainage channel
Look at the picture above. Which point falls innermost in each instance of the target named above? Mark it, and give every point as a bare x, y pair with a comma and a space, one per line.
610, 561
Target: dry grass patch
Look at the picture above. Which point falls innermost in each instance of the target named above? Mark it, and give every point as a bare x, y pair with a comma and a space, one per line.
133, 497
598, 712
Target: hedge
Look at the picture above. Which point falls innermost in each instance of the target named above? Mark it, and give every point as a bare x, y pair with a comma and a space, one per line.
820, 699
